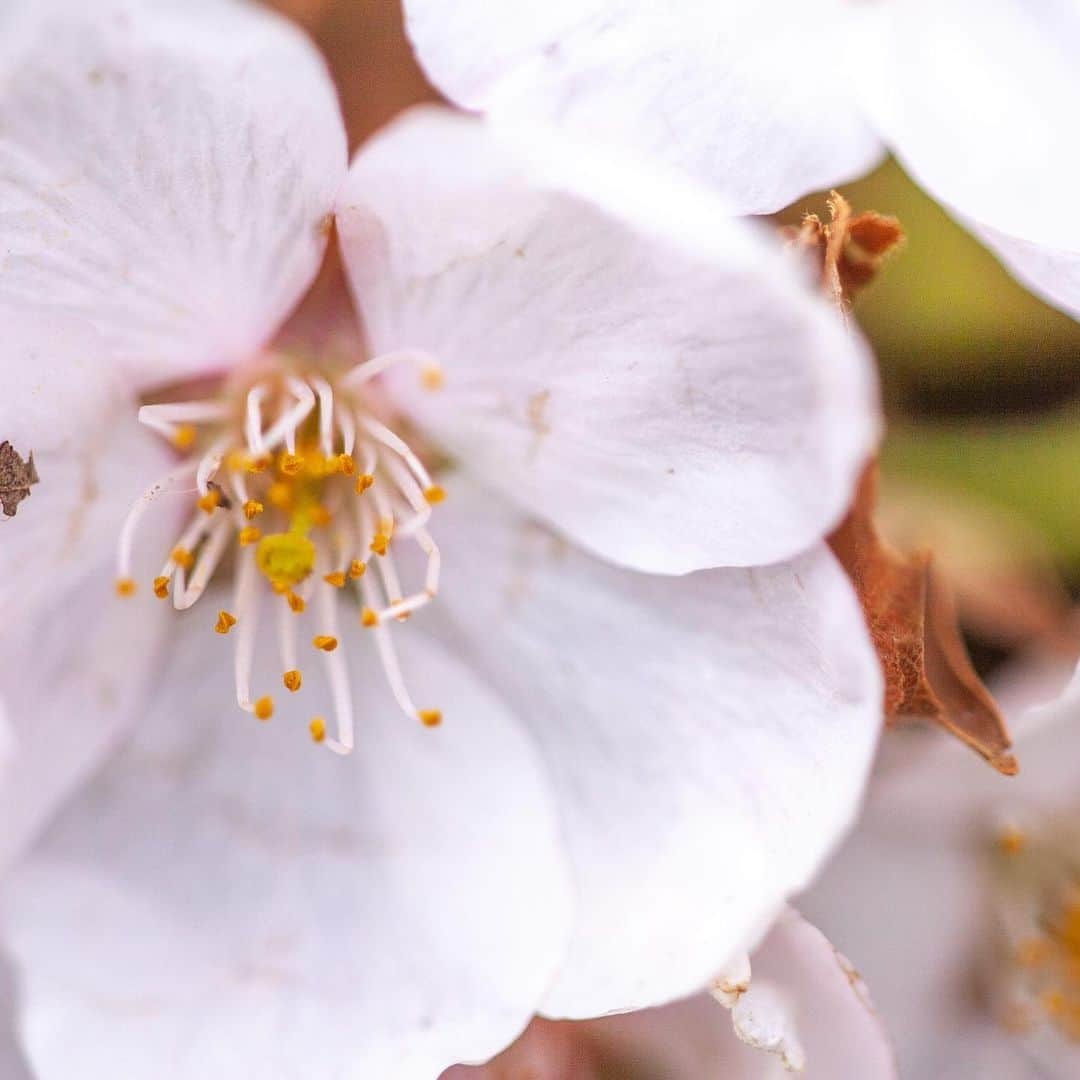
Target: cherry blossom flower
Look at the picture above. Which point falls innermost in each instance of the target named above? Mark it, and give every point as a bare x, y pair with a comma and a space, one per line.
775, 99
959, 893
573, 769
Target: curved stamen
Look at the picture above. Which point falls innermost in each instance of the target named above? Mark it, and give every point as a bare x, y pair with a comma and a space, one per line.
430, 370
167, 485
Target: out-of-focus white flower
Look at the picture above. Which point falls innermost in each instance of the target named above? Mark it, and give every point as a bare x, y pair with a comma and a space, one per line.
960, 894
803, 1010
773, 99
635, 769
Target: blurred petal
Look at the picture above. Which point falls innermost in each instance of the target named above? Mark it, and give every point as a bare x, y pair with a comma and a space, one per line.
621, 358
709, 737
12, 1063
165, 172
977, 97
228, 899
754, 98
822, 998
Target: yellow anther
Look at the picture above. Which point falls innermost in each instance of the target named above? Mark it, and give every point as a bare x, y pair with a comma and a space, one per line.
363, 482
264, 708
209, 502
337, 579
1010, 840
252, 509
279, 588
161, 587
292, 680
295, 602
184, 437
317, 729
285, 558
368, 617
430, 717
259, 464
431, 377
356, 569
249, 535
434, 494
125, 586
235, 460
182, 557
279, 495
290, 464
324, 642
346, 465
318, 515
225, 622
379, 543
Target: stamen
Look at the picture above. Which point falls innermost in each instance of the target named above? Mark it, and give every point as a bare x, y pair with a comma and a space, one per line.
225, 622
368, 617
430, 717
166, 486
264, 708
184, 437
125, 586
326, 642
246, 602
182, 557
292, 680
356, 569
209, 465
337, 579
209, 557
163, 419
363, 482
161, 587
318, 729
382, 434
296, 603
285, 427
326, 413
338, 675
252, 509
431, 377
346, 465
209, 502
248, 535
434, 494
253, 428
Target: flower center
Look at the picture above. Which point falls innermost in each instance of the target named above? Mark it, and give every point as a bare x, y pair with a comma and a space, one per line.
1036, 878
300, 478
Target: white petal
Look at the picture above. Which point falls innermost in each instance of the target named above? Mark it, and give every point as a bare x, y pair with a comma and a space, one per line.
977, 98
74, 658
63, 404
73, 678
754, 98
231, 900
12, 1063
709, 736
621, 358
165, 171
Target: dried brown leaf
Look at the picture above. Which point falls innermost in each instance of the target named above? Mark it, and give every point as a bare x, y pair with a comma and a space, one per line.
16, 478
910, 613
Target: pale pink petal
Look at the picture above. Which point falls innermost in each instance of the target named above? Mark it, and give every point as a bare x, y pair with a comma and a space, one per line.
621, 358
166, 171
709, 737
978, 99
755, 98
229, 899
